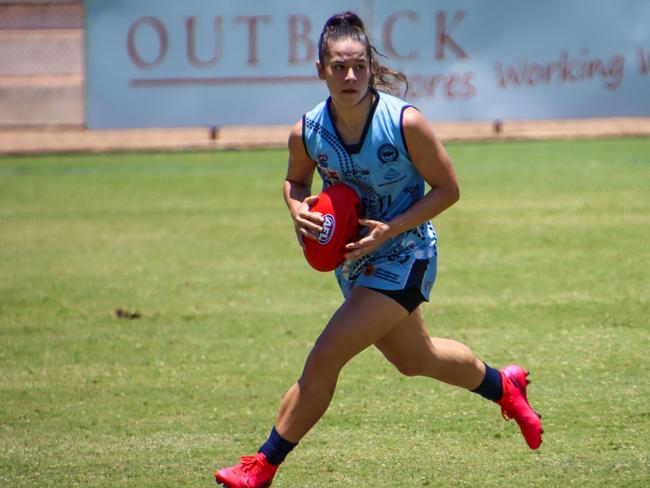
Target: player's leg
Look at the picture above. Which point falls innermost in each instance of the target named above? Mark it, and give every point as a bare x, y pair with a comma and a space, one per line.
360, 321
409, 347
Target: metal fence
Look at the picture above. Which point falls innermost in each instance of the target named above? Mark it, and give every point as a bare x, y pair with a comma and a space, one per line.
41, 62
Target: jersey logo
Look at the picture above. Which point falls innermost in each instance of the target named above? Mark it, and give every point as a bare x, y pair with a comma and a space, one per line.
387, 153
322, 158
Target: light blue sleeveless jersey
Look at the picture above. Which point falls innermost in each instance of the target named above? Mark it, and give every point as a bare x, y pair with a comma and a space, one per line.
380, 169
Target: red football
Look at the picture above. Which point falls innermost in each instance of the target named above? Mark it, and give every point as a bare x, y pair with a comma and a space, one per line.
340, 206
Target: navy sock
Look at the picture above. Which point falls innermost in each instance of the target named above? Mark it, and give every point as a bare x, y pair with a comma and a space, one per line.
491, 387
276, 448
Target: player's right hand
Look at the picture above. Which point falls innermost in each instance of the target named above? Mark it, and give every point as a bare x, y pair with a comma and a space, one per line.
307, 223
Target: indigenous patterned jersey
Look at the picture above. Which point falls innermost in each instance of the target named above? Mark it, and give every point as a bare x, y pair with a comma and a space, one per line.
380, 169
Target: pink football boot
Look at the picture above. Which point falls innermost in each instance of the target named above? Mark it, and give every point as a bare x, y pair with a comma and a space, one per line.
514, 405
251, 472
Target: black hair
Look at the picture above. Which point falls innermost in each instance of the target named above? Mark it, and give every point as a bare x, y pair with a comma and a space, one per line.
348, 25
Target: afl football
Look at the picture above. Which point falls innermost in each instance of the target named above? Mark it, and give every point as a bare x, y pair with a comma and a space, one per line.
340, 207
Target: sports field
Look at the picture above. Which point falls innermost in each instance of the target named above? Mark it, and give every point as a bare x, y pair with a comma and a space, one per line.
545, 260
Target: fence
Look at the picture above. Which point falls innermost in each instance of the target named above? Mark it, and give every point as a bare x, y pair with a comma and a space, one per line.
41, 63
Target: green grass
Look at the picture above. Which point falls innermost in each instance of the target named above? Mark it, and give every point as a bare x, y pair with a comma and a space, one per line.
545, 260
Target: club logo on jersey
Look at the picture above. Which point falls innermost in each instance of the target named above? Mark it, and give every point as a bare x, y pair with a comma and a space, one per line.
328, 229
388, 153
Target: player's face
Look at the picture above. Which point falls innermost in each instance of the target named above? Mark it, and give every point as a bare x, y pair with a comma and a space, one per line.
346, 71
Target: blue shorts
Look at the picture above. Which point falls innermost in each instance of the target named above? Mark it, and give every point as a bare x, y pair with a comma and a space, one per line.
405, 278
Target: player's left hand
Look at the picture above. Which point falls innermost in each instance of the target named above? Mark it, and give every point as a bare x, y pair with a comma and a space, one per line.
376, 236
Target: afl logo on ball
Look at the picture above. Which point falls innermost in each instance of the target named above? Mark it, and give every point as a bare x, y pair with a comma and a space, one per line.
328, 229
387, 153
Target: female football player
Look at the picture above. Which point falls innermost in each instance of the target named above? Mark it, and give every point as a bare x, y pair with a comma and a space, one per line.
386, 150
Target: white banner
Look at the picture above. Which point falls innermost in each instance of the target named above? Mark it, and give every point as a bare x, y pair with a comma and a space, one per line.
226, 62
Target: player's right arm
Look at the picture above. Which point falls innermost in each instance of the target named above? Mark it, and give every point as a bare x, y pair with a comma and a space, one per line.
297, 188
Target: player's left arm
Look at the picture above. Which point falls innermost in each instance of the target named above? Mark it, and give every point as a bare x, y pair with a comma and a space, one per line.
432, 162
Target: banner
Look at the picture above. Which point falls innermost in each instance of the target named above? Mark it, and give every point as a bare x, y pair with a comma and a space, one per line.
224, 62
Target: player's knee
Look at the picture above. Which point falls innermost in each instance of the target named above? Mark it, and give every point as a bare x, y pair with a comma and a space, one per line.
323, 361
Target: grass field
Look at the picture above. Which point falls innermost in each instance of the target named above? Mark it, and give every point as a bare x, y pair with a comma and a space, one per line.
545, 260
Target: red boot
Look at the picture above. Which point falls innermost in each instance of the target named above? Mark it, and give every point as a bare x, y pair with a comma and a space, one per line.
251, 472
514, 405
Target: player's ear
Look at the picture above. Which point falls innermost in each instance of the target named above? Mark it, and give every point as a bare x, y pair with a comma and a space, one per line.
321, 70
